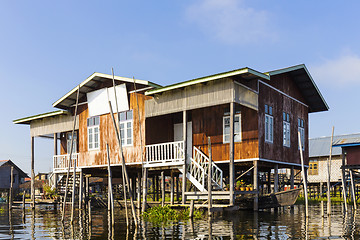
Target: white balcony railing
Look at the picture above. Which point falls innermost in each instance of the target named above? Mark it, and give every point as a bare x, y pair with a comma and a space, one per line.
170, 152
61, 162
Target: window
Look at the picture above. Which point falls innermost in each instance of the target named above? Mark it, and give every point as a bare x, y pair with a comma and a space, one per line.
93, 133
301, 129
313, 167
269, 124
286, 129
237, 128
126, 128
68, 142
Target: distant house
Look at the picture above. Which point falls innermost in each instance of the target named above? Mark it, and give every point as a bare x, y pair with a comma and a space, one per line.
5, 175
319, 150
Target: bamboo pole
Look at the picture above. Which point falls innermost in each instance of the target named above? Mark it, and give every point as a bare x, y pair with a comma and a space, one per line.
123, 165
343, 179
172, 187
145, 187
69, 161
303, 176
11, 188
162, 189
110, 192
231, 154
352, 188
329, 172
256, 186
32, 173
183, 196
23, 200
191, 212
209, 179
81, 189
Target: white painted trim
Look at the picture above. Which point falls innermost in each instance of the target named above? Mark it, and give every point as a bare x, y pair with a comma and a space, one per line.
268, 85
140, 90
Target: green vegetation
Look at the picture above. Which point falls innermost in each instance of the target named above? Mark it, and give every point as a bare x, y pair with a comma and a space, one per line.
164, 214
334, 200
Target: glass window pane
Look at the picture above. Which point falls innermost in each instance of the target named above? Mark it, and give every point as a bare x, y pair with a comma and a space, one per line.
270, 110
129, 115
97, 121
266, 108
237, 138
122, 116
227, 138
237, 128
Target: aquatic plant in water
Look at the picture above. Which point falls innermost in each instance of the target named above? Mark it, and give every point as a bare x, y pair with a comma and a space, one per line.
161, 214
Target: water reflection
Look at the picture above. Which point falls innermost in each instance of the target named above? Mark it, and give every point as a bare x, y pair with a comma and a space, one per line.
286, 223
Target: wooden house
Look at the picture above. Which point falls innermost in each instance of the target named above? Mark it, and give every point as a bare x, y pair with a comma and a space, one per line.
5, 176
251, 118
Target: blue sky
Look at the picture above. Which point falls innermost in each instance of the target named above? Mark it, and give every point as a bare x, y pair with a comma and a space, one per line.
48, 47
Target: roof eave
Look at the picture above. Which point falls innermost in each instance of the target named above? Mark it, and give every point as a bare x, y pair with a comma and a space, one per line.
27, 120
208, 78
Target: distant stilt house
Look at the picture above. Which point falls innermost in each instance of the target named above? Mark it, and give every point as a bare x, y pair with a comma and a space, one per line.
5, 176
319, 151
251, 118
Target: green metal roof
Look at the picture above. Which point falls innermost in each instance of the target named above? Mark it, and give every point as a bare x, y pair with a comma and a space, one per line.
27, 120
246, 72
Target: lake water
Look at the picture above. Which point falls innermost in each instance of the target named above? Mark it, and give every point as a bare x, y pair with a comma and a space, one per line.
45, 222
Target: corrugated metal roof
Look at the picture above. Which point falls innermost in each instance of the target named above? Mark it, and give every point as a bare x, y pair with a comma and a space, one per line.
27, 120
320, 147
347, 141
2, 162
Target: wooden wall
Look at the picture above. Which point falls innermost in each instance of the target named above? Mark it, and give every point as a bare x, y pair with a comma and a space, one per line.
280, 103
353, 155
209, 122
107, 135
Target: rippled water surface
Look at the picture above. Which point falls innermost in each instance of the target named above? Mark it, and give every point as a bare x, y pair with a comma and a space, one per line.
45, 222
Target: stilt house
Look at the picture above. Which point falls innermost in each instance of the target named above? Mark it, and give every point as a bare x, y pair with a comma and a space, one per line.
251, 118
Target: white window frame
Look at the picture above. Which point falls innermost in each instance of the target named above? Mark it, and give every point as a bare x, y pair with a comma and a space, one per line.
237, 129
68, 142
93, 143
127, 119
269, 124
286, 134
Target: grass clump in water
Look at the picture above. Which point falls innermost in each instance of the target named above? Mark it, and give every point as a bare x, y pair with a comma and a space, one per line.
161, 214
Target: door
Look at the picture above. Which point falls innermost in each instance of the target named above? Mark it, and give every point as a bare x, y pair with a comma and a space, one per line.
178, 135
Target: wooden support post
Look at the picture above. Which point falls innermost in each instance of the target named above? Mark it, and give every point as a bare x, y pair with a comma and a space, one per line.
87, 187
110, 192
328, 174
256, 186
177, 189
81, 188
32, 173
23, 200
145, 188
157, 188
304, 178
11, 188
269, 181
191, 212
276, 178
171, 187
162, 188
154, 187
292, 180
231, 155
186, 157
209, 183
353, 188
89, 209
139, 190
343, 179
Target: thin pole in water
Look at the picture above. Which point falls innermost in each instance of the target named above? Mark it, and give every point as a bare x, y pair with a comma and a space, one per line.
328, 177
303, 176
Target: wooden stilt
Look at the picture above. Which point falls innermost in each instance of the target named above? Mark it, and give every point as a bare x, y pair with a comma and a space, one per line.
110, 192
89, 209
69, 162
81, 188
23, 200
256, 186
276, 178
343, 179
353, 188
328, 174
145, 188
269, 181
138, 190
11, 188
231, 155
177, 188
171, 187
191, 212
154, 187
32, 173
157, 188
304, 178
162, 188
185, 155
292, 180
209, 183
87, 187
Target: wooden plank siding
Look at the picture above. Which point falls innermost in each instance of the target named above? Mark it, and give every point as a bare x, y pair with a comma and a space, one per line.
132, 153
209, 122
282, 103
353, 155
